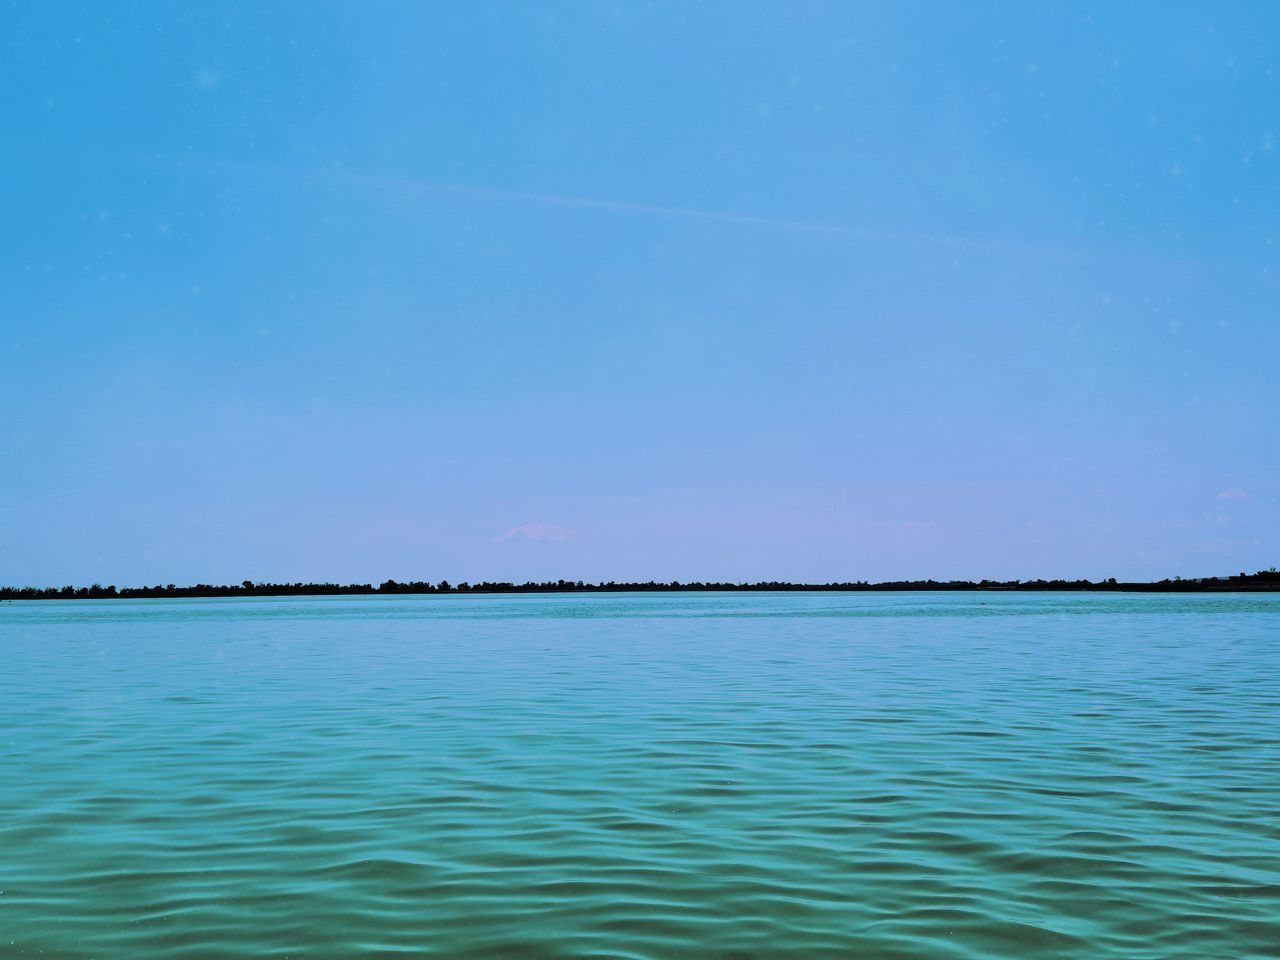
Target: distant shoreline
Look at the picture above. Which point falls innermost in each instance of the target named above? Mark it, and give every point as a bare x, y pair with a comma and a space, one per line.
1264, 581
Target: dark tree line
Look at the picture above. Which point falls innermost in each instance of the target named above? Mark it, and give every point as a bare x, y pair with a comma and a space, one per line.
1263, 580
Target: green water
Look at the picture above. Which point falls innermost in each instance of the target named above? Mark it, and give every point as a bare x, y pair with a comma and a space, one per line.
663, 776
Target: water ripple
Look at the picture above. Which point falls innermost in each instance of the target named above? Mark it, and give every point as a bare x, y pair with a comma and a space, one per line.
728, 776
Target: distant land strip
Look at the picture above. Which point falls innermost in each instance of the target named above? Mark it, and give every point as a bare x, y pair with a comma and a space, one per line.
1262, 581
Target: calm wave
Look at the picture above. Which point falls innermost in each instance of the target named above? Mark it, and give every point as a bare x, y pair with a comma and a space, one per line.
657, 776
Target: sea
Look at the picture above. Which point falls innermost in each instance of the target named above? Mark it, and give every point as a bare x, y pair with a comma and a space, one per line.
665, 775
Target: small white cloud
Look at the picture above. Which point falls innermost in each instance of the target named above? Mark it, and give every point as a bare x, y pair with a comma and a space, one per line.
1234, 493
543, 532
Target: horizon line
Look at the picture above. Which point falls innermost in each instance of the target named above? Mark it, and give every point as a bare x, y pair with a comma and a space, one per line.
1262, 580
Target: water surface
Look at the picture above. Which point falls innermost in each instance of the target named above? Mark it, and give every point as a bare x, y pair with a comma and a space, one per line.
642, 776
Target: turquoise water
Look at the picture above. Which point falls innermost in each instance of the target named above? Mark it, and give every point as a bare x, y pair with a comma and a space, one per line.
657, 776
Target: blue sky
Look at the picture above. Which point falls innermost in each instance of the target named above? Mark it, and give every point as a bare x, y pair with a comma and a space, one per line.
632, 291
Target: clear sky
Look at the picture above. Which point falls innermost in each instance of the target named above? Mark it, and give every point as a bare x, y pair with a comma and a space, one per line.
680, 290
